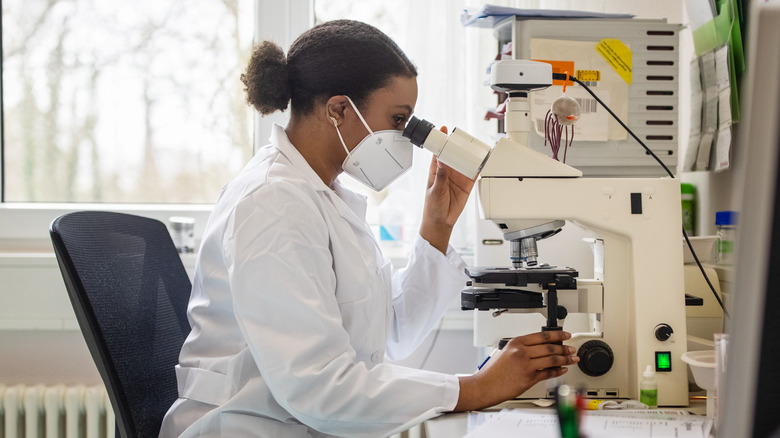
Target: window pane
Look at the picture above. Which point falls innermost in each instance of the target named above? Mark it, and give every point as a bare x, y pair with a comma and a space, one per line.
442, 98
124, 101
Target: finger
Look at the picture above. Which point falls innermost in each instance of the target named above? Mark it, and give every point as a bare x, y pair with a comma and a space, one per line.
432, 171
546, 337
553, 361
548, 373
543, 337
549, 350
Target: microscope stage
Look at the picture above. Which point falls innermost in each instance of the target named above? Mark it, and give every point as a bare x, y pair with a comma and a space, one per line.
489, 299
492, 288
565, 278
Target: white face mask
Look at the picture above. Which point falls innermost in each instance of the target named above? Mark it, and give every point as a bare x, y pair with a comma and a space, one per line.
380, 158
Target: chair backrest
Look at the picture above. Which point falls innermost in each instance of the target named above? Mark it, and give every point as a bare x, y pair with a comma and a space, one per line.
129, 290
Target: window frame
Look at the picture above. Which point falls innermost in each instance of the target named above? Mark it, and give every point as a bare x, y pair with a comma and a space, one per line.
24, 225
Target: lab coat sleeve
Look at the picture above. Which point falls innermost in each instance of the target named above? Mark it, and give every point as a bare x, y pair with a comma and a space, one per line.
422, 292
283, 285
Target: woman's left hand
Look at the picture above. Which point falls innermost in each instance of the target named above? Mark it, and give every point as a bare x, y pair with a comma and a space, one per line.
446, 196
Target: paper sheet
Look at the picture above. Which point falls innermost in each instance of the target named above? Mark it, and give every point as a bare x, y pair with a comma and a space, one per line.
722, 152
694, 136
723, 139
709, 142
544, 424
595, 124
709, 119
488, 15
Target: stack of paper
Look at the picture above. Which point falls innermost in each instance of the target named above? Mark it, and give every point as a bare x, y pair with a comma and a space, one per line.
602, 424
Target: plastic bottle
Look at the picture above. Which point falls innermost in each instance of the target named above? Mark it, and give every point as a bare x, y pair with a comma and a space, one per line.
688, 193
726, 222
648, 388
391, 222
183, 233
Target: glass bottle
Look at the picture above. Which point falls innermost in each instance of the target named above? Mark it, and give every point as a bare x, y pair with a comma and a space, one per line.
726, 223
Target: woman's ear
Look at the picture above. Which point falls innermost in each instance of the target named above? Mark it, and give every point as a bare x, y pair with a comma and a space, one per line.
335, 109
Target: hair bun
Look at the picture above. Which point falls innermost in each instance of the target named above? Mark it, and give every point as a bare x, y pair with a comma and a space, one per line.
266, 79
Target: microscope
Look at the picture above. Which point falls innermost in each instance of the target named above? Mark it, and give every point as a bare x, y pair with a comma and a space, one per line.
632, 313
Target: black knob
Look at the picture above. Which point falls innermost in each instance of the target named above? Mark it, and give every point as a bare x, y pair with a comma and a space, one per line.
663, 332
596, 358
562, 312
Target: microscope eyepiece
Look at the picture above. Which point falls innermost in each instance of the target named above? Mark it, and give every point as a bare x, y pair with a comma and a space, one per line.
459, 150
417, 130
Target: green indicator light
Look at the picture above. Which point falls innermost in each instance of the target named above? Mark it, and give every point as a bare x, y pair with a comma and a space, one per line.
663, 360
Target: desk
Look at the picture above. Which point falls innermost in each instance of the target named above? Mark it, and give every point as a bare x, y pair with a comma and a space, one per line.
455, 425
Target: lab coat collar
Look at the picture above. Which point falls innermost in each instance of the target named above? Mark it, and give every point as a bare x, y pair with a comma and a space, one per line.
280, 141
352, 206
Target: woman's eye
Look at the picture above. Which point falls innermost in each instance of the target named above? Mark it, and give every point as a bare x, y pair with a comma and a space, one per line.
399, 120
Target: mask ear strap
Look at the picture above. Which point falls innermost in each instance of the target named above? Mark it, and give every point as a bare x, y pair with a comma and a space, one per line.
338, 131
360, 116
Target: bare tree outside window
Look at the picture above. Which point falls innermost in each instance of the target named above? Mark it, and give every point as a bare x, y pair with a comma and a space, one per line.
115, 102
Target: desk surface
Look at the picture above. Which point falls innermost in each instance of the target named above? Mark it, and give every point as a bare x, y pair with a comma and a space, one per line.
456, 424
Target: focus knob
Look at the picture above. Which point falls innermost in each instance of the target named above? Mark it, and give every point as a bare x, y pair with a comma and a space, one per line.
596, 358
663, 332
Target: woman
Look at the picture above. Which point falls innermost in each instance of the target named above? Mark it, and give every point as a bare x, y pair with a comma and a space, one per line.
293, 306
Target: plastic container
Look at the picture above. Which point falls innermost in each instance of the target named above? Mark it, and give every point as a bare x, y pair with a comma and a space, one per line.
702, 365
183, 233
726, 223
705, 247
391, 222
688, 196
648, 388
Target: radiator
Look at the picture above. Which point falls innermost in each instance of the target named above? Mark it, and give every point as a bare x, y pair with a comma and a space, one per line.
55, 412
71, 412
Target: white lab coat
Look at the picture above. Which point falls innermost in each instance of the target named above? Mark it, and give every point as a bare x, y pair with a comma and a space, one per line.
294, 308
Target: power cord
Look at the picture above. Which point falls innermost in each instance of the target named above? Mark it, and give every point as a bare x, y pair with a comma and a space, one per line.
563, 77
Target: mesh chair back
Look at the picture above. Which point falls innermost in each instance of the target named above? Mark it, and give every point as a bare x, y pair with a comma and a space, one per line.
129, 290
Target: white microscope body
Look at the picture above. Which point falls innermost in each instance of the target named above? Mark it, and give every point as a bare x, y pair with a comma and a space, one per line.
636, 302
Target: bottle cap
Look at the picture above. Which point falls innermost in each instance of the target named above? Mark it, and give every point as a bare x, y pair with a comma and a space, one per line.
726, 218
649, 371
686, 188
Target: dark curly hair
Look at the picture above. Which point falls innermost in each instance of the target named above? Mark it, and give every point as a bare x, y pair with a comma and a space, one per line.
340, 57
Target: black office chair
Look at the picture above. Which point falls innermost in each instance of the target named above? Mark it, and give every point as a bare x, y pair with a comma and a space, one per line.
129, 291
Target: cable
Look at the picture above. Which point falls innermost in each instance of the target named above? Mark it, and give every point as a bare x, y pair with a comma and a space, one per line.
701, 268
562, 77
614, 116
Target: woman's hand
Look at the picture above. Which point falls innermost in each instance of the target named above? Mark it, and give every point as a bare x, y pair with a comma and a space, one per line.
523, 362
446, 196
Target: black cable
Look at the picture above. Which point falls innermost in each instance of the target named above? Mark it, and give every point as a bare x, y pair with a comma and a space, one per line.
614, 116
701, 268
562, 76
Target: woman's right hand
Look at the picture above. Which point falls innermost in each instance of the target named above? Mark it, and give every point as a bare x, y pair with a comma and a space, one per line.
523, 362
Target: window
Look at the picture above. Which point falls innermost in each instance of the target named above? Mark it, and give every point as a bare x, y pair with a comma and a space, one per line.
450, 77
123, 102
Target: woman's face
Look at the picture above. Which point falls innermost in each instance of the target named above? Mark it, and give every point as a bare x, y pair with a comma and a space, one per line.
389, 107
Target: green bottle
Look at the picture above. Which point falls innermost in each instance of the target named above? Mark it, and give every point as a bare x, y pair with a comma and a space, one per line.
688, 194
648, 388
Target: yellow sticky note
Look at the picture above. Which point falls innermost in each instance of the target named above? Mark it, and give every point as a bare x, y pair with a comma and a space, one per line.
618, 55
